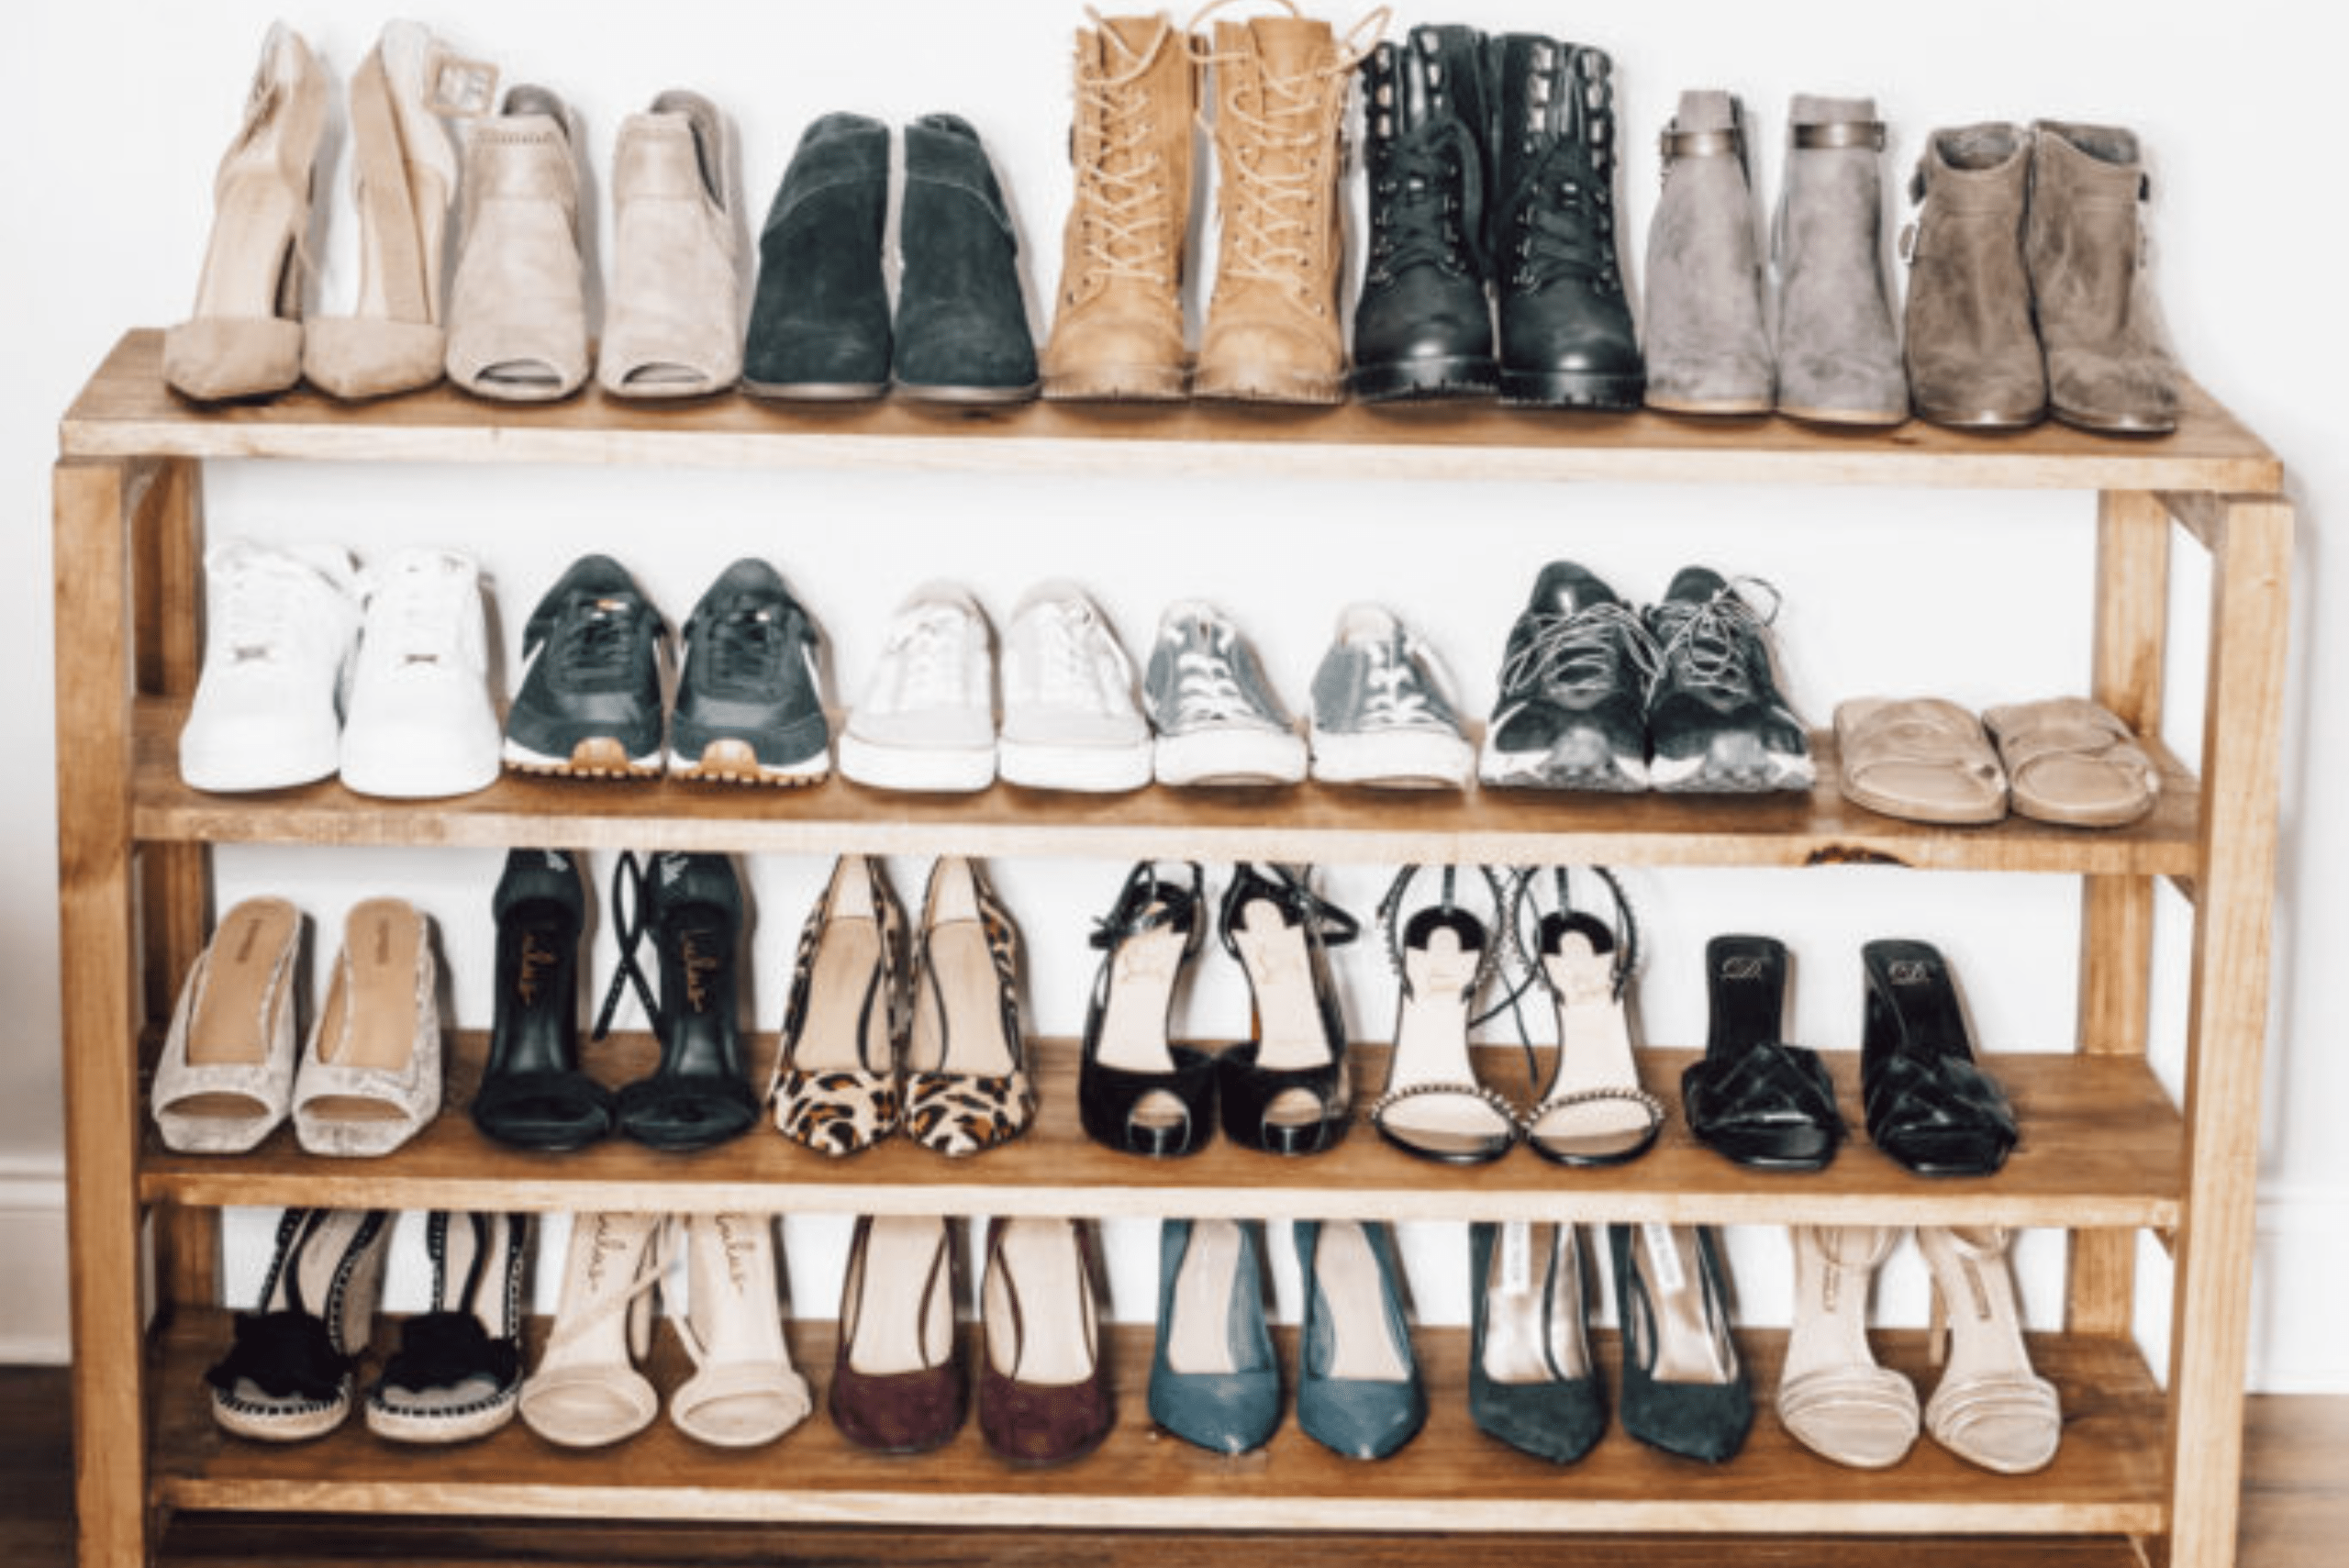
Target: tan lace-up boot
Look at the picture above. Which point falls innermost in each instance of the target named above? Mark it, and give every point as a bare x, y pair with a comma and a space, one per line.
1274, 331
1118, 330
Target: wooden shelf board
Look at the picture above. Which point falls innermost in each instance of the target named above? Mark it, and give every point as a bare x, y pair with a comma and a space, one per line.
2107, 1479
2102, 1146
1309, 822
126, 411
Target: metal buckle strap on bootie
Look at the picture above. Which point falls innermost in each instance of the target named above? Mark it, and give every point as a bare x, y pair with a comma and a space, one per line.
1866, 134
1675, 145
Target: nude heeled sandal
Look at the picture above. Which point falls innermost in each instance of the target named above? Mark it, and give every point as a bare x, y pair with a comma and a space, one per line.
744, 1391
1991, 1408
404, 176
226, 1077
1833, 1396
372, 1077
517, 312
586, 1391
244, 339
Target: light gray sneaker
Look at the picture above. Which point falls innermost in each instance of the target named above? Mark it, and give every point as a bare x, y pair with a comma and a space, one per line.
1069, 717
1217, 720
1382, 714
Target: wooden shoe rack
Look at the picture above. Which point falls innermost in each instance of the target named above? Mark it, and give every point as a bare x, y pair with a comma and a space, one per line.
2150, 1452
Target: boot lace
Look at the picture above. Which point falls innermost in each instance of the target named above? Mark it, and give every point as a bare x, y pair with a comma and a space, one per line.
745, 646
1118, 186
925, 648
596, 644
1580, 654
1566, 203
1271, 171
1712, 648
1424, 206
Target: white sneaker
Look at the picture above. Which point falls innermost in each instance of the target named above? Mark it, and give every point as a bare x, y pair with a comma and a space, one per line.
1069, 718
420, 721
927, 718
279, 630
1217, 720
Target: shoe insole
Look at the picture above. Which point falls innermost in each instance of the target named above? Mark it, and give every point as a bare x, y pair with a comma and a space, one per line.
899, 1303
371, 1022
1690, 1347
1594, 1054
1290, 1033
248, 264
1198, 1326
1353, 1297
842, 998
1133, 1023
1533, 1306
1432, 1047
235, 1014
1039, 1323
960, 1029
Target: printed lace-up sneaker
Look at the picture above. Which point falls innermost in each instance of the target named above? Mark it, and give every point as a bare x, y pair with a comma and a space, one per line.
1381, 715
1717, 723
590, 702
926, 721
1069, 717
1217, 720
1572, 707
421, 723
750, 706
279, 629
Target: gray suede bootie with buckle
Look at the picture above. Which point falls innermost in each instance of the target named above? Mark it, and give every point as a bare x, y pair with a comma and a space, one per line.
1973, 357
2107, 367
1706, 348
1838, 359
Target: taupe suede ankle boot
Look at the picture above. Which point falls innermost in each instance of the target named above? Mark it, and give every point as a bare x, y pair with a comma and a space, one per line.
1973, 357
1118, 331
517, 313
1274, 331
1707, 351
1839, 359
2107, 367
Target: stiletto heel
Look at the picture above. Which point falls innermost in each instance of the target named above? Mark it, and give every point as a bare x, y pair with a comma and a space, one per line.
1044, 1391
1754, 1098
700, 1095
288, 1376
226, 1077
1434, 1106
1287, 1090
835, 1084
967, 1087
586, 1391
1685, 1387
458, 1372
1929, 1106
1531, 1382
1136, 1091
1593, 1111
532, 1093
1358, 1389
897, 1384
1989, 1408
403, 177
1213, 1378
744, 1391
1833, 1396
244, 339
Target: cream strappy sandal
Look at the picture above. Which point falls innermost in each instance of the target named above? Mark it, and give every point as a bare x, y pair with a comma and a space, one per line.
1833, 1396
1990, 1409
586, 1391
744, 1391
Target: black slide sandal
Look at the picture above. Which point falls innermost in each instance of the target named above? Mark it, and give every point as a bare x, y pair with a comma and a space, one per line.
1930, 1106
1753, 1098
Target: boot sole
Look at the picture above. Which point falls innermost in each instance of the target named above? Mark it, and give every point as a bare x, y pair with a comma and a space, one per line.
1710, 407
1258, 384
1982, 418
967, 395
2103, 426
1871, 418
1561, 389
1460, 376
817, 391
1121, 384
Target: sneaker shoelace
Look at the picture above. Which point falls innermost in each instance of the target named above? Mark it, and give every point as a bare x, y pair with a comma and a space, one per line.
1397, 694
924, 653
595, 644
261, 610
1078, 663
744, 647
1427, 207
1579, 655
1712, 649
417, 618
1118, 186
1206, 692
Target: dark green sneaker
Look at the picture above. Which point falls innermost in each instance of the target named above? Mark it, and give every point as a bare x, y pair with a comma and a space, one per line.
750, 706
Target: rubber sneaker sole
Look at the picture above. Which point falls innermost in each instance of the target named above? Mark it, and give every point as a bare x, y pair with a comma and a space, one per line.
734, 762
597, 757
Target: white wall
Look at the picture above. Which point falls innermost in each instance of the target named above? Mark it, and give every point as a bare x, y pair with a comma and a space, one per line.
125, 107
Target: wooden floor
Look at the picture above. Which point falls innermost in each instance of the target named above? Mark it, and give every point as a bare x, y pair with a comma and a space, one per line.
2296, 1514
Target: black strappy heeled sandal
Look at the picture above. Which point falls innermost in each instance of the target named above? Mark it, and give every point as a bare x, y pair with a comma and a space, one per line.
700, 1093
1754, 1098
1593, 1110
1137, 1091
1286, 1091
532, 1093
458, 1372
1434, 1105
1929, 1106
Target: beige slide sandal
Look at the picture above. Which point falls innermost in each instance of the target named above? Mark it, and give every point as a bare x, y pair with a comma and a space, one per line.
2073, 762
1921, 759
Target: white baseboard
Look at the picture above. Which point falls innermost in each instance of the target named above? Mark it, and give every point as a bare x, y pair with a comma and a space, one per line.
34, 1327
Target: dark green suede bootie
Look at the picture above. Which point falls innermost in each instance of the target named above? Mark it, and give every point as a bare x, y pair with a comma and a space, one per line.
819, 324
963, 332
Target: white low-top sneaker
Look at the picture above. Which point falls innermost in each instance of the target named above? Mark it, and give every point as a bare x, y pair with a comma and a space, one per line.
279, 630
1217, 720
926, 722
421, 723
1069, 717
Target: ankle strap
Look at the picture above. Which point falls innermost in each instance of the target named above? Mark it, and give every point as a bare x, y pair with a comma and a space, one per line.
1678, 144
1837, 133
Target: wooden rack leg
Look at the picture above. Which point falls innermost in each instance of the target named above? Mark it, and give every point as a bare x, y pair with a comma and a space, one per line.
2133, 534
99, 971
2227, 1025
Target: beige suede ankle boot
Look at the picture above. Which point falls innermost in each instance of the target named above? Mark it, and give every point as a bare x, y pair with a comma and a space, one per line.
517, 316
1118, 331
673, 326
1274, 332
244, 339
